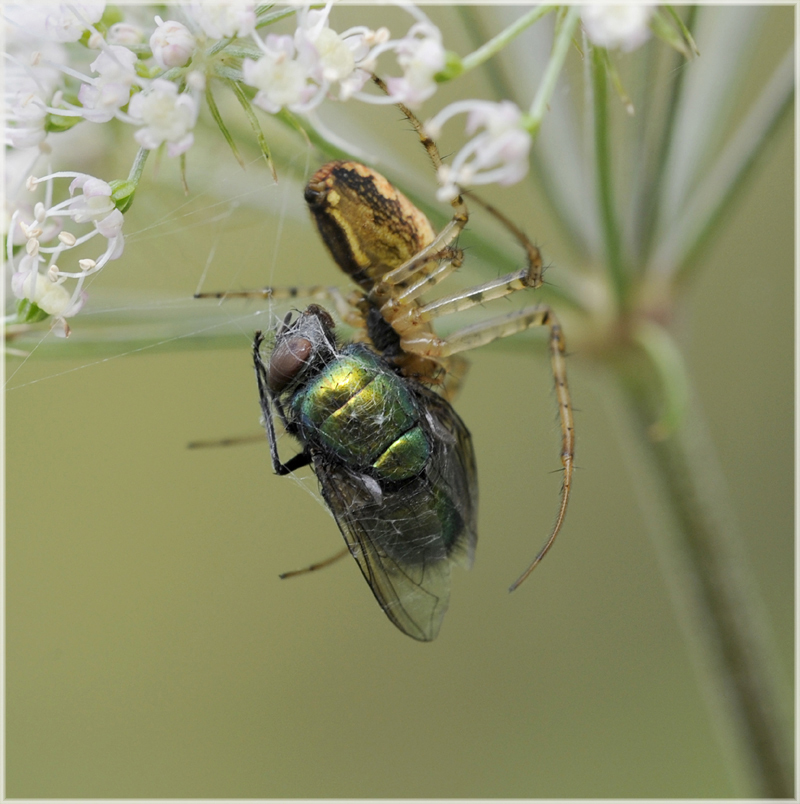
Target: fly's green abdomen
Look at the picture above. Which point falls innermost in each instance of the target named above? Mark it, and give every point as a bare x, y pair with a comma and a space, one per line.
363, 413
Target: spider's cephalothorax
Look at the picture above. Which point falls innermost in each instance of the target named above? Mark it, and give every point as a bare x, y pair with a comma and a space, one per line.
373, 418
394, 462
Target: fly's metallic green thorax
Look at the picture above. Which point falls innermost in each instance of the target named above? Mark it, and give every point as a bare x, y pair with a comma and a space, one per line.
394, 462
364, 414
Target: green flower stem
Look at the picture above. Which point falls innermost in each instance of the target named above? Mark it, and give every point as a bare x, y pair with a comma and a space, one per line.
548, 85
605, 189
311, 135
241, 96
708, 577
668, 363
270, 17
542, 179
212, 107
682, 245
683, 28
655, 157
137, 168
497, 43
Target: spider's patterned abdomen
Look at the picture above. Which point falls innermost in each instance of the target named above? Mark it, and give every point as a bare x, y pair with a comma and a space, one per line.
369, 226
359, 410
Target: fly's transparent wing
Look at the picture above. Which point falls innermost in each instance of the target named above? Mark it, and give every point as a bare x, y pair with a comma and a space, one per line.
396, 539
452, 468
406, 536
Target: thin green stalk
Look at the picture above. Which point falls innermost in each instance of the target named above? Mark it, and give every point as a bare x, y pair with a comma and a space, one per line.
549, 79
667, 360
138, 166
605, 188
679, 250
212, 107
499, 42
647, 208
686, 30
254, 125
717, 595
561, 208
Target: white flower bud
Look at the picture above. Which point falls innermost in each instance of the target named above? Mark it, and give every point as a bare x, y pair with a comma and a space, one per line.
623, 26
172, 44
123, 33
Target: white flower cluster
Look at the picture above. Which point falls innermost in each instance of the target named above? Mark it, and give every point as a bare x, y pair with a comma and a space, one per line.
152, 78
298, 72
41, 230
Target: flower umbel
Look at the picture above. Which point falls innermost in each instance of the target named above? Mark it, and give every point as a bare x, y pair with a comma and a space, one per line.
42, 293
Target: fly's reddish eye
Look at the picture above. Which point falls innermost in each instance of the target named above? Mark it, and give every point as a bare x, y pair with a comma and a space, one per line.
286, 361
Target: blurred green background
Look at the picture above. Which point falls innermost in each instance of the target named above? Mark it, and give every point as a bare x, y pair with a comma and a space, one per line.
152, 651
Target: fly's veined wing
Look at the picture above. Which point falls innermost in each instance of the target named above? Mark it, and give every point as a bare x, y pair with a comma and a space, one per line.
453, 467
406, 536
397, 546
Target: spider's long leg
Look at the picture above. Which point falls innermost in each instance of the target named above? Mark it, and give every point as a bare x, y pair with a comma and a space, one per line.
446, 236
533, 254
439, 248
317, 566
487, 331
428, 281
404, 319
332, 294
427, 142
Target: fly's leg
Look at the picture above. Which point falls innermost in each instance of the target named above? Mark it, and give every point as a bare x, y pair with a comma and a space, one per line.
235, 441
345, 551
297, 461
267, 403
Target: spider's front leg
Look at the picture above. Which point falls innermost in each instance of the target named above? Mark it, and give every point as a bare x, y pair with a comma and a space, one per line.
480, 334
345, 305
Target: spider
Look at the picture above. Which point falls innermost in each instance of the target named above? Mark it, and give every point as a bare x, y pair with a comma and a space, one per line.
373, 416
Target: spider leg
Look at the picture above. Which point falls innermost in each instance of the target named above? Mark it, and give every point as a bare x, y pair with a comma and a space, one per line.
424, 343
532, 252
457, 224
422, 262
404, 319
344, 304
